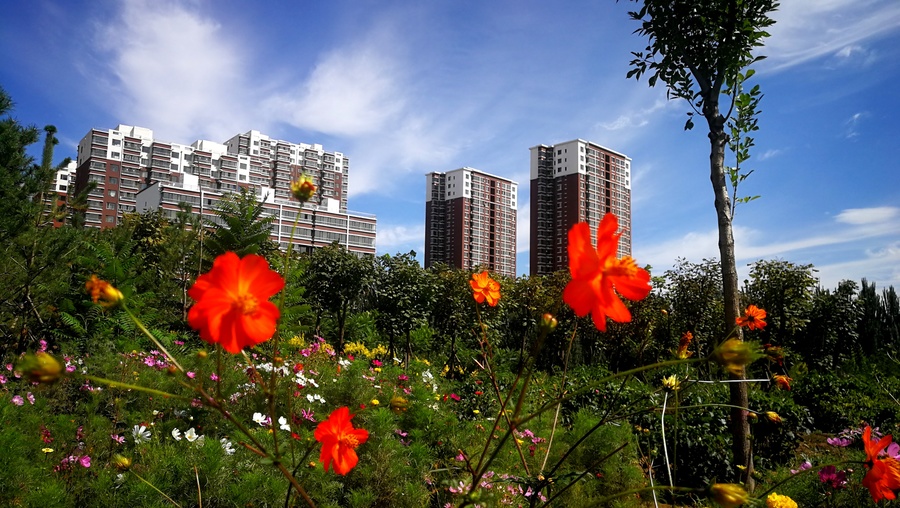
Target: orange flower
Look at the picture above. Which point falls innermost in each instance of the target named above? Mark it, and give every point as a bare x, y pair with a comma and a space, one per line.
596, 272
782, 381
752, 318
883, 477
233, 307
485, 288
683, 345
102, 290
339, 441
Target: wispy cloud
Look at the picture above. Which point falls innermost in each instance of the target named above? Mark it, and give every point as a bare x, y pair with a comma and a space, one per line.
851, 126
809, 29
848, 227
771, 153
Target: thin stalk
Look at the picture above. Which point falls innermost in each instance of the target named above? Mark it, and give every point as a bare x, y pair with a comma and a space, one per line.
562, 391
199, 492
662, 424
144, 329
163, 494
127, 386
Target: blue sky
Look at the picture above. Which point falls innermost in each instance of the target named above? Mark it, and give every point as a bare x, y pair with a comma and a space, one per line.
406, 88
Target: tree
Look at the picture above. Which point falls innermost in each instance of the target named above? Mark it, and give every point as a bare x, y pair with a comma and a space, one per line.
400, 288
240, 227
338, 279
785, 291
699, 49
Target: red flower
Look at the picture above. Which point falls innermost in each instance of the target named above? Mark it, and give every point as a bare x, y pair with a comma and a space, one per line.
883, 477
752, 318
339, 441
597, 274
485, 288
233, 307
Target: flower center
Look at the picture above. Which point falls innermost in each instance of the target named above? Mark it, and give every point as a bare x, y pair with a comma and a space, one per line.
625, 267
245, 304
349, 440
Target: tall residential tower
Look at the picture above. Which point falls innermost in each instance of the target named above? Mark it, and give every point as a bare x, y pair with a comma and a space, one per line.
470, 220
571, 182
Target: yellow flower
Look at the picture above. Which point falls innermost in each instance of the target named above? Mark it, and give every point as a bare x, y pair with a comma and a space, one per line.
671, 383
475, 411
399, 404
778, 501
47, 450
374, 402
773, 417
377, 369
728, 495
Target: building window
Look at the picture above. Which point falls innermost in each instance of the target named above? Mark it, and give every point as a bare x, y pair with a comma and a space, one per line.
110, 205
110, 218
112, 193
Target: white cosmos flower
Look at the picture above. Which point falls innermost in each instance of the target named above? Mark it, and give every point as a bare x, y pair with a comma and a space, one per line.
140, 434
283, 423
226, 445
261, 419
176, 434
315, 397
191, 435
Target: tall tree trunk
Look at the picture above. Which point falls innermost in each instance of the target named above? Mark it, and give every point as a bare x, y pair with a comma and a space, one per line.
740, 427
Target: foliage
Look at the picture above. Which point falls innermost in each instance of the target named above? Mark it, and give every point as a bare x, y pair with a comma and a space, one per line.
240, 226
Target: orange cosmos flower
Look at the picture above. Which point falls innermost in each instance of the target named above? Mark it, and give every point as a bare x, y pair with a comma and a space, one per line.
303, 188
339, 441
103, 292
753, 318
683, 345
597, 274
782, 381
883, 477
233, 307
485, 288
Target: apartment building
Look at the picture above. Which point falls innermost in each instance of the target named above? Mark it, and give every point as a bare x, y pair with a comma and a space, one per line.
571, 182
470, 220
132, 172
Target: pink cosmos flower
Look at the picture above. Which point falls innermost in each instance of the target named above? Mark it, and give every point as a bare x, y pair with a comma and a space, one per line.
85, 461
18, 400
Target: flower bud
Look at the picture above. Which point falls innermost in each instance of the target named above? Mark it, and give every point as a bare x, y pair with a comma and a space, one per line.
202, 354
303, 188
548, 323
734, 354
40, 367
773, 417
728, 495
103, 292
121, 461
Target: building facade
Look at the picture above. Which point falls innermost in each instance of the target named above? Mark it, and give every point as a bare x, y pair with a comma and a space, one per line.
571, 182
133, 172
470, 220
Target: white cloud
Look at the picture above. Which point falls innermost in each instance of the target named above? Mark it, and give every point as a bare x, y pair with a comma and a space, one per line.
353, 90
171, 69
880, 265
865, 216
401, 237
809, 29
